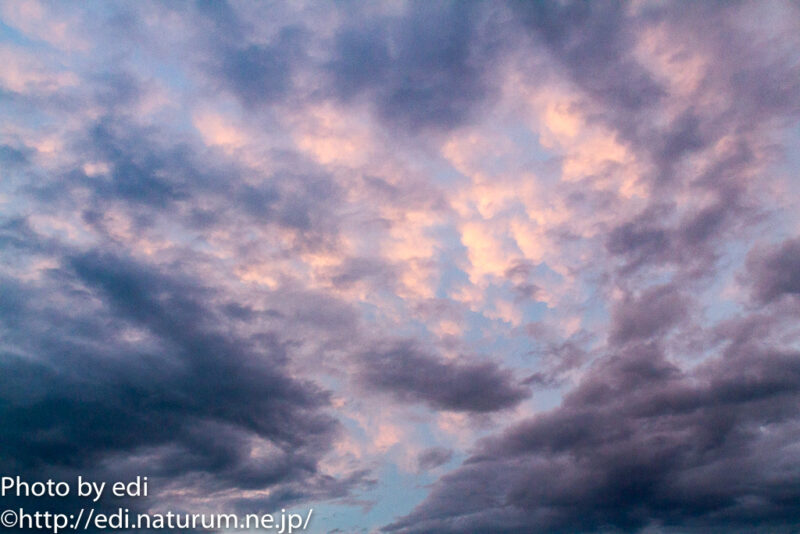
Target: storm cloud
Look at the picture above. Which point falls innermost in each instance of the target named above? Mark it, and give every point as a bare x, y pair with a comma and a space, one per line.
639, 444
128, 360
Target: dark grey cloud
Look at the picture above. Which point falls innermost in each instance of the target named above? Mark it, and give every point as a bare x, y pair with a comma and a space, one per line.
427, 69
14, 157
519, 277
153, 177
433, 457
650, 314
113, 368
186, 352
595, 42
354, 270
317, 488
413, 375
259, 74
773, 272
640, 443
558, 358
657, 235
142, 171
18, 236
222, 18
233, 56
646, 238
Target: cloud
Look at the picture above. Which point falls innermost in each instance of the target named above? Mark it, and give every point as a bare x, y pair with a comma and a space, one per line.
433, 457
426, 69
110, 360
248, 249
412, 375
150, 176
653, 312
13, 157
594, 42
774, 271
639, 443
259, 74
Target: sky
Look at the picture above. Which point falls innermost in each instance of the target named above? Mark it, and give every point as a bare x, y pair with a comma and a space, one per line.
422, 267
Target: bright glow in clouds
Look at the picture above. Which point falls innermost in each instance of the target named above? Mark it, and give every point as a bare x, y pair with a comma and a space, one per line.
420, 266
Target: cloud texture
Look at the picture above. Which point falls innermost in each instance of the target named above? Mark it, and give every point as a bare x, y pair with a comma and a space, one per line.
453, 266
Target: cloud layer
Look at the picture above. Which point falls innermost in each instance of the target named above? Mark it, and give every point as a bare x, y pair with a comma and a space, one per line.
452, 267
